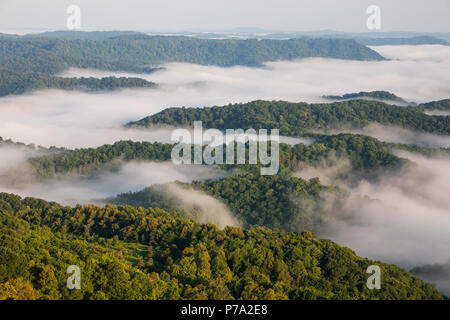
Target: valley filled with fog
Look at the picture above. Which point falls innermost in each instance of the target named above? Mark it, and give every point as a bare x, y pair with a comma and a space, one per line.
408, 221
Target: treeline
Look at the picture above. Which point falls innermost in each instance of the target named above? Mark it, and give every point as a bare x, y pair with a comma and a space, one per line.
11, 143
280, 201
18, 83
294, 119
436, 105
365, 153
89, 160
142, 54
380, 95
283, 201
412, 41
132, 253
425, 151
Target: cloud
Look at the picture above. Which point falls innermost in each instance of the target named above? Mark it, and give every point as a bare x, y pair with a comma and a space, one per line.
131, 176
399, 135
436, 273
407, 220
74, 119
211, 209
437, 112
408, 223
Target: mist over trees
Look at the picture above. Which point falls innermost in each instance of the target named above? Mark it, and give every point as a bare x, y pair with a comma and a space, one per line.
18, 83
294, 119
257, 239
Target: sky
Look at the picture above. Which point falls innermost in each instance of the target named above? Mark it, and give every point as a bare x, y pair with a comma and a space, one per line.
197, 15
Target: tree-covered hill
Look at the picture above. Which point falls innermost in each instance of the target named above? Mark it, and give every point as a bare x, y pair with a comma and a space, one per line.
132, 253
365, 153
89, 160
443, 105
128, 53
280, 201
376, 95
283, 200
295, 119
18, 83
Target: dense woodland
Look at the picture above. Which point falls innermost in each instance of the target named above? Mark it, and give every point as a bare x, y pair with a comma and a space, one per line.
295, 119
280, 201
436, 105
89, 160
283, 201
142, 53
135, 253
18, 83
365, 153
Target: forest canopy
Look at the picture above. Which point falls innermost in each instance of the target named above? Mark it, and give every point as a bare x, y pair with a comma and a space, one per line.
135, 253
295, 119
18, 83
142, 54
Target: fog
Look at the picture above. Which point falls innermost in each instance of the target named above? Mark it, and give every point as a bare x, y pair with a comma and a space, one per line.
211, 209
399, 135
408, 224
415, 73
407, 221
73, 189
75, 119
435, 273
437, 112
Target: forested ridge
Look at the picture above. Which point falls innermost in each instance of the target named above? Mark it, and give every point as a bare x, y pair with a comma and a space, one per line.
142, 54
280, 201
380, 95
364, 153
269, 201
135, 253
294, 119
18, 83
436, 105
283, 200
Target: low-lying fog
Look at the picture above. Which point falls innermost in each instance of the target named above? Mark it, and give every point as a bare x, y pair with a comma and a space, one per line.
74, 119
415, 73
407, 224
73, 189
400, 135
410, 223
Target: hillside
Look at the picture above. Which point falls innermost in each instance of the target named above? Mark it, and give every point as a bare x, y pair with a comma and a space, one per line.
443, 105
294, 119
18, 83
142, 54
132, 253
376, 95
365, 153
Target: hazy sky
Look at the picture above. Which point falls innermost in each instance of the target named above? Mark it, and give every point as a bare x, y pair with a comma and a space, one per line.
172, 15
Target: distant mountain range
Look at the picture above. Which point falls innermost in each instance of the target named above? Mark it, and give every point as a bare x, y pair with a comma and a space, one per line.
52, 53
